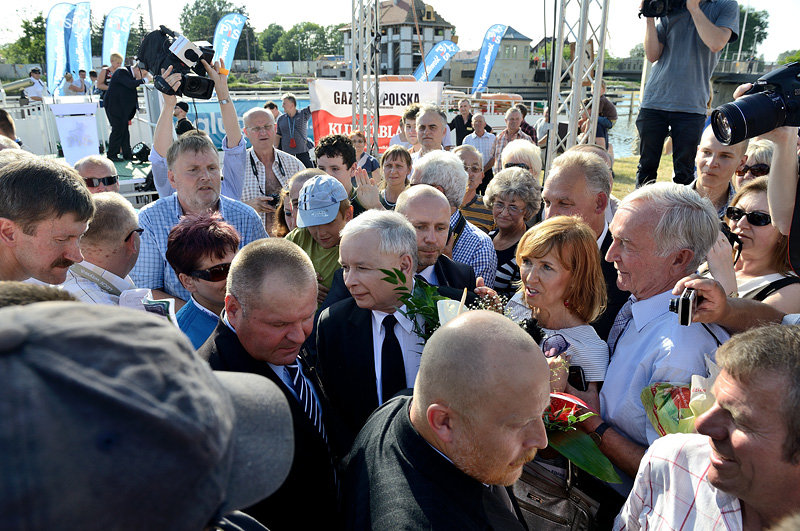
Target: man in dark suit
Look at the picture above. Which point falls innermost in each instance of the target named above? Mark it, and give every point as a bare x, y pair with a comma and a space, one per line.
443, 458
269, 308
367, 348
579, 184
121, 102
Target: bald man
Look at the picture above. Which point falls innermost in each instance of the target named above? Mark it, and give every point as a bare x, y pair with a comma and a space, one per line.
442, 458
99, 174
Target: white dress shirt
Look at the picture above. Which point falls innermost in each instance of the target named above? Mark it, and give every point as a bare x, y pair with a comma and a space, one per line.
429, 274
93, 284
38, 89
483, 143
410, 344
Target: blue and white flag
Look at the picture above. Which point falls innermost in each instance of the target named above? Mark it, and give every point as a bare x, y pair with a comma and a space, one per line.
491, 43
435, 60
80, 39
116, 31
226, 36
56, 39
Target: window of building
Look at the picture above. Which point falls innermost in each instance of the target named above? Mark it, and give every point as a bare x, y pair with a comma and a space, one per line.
506, 51
428, 13
514, 52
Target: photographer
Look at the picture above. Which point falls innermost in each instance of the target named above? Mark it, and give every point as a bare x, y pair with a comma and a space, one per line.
685, 46
232, 144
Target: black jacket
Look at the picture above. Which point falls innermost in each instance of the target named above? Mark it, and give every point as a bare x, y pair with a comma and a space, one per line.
121, 100
291, 506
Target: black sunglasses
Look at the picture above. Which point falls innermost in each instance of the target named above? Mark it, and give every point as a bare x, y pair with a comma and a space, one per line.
516, 165
212, 274
128, 237
757, 219
758, 170
97, 181
556, 341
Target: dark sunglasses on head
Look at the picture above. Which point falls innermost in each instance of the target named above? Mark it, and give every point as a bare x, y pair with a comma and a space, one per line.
516, 165
758, 170
93, 182
212, 274
757, 219
128, 237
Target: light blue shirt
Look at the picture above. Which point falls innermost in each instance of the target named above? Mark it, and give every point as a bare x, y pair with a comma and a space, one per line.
152, 269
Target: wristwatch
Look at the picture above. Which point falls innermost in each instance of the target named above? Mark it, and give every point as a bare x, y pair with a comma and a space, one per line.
224, 101
597, 434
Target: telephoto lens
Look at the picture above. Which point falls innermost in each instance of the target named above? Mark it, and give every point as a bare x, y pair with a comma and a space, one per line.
747, 117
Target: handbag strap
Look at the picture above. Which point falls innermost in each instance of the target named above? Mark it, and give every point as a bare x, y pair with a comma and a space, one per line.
774, 286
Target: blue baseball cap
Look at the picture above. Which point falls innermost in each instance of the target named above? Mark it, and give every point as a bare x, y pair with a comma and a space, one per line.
319, 201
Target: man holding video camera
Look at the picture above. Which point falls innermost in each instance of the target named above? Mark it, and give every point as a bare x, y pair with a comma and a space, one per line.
685, 46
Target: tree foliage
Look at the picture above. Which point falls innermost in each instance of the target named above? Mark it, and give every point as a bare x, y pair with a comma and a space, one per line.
303, 42
638, 50
267, 40
30, 48
789, 56
199, 20
754, 33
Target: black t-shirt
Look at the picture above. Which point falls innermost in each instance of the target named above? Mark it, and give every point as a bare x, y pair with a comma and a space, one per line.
183, 125
463, 129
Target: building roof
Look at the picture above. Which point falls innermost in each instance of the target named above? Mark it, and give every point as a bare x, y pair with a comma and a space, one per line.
511, 33
397, 12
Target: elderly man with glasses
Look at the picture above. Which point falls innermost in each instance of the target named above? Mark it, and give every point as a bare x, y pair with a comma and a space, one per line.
98, 173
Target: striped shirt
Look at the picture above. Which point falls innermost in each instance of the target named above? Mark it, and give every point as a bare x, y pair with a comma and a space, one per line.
152, 269
585, 349
507, 270
478, 214
672, 490
484, 144
500, 144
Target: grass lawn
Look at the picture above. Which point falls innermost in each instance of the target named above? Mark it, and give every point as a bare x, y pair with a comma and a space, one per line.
625, 174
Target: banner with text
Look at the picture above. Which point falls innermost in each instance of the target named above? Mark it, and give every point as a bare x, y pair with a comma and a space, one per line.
226, 36
435, 60
56, 39
491, 43
332, 111
116, 31
80, 38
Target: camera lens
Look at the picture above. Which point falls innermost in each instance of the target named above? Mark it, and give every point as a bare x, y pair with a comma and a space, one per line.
747, 117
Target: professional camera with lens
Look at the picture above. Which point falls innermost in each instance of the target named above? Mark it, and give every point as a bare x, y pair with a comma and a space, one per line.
774, 101
660, 8
162, 48
684, 306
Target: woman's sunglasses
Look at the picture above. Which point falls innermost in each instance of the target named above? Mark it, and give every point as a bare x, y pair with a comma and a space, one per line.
757, 219
757, 170
212, 274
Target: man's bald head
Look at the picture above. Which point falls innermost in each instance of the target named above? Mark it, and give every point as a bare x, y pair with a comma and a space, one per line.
418, 194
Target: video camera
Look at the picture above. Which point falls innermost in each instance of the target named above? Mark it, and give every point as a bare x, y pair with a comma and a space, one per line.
774, 101
660, 8
162, 48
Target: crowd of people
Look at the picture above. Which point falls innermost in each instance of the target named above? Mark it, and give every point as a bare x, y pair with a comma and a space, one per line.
307, 362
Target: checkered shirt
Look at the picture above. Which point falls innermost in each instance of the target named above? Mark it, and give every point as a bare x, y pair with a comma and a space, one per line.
157, 219
672, 492
500, 144
475, 248
484, 144
255, 185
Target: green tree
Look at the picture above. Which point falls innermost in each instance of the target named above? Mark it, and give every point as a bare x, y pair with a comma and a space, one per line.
335, 39
267, 40
199, 19
754, 33
637, 51
789, 56
30, 48
135, 37
304, 41
97, 35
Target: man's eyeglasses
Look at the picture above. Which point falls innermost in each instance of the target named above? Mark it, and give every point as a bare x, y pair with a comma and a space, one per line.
93, 182
260, 128
557, 342
757, 219
757, 170
473, 169
212, 274
128, 237
516, 165
499, 206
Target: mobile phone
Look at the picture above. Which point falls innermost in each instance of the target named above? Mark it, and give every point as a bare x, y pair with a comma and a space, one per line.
577, 378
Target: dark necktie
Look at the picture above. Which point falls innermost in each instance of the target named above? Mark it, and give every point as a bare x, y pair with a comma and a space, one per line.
306, 398
393, 370
620, 323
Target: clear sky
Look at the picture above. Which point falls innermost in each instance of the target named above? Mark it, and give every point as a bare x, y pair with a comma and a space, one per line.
470, 17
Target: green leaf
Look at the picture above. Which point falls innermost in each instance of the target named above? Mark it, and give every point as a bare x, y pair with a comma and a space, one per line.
579, 448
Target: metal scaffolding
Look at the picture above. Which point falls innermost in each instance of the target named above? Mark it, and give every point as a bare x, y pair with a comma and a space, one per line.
583, 22
365, 59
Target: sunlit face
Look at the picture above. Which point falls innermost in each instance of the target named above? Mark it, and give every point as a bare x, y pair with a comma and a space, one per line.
544, 280
196, 179
362, 264
747, 431
359, 144
288, 213
464, 108
509, 212
395, 172
288, 106
210, 294
260, 129
566, 193
473, 165
493, 443
479, 124
411, 131
327, 235
717, 163
430, 130
513, 121
336, 168
99, 172
430, 217
54, 246
634, 253
756, 241
274, 329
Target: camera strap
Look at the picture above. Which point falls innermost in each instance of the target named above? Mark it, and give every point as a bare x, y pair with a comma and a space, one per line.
794, 235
